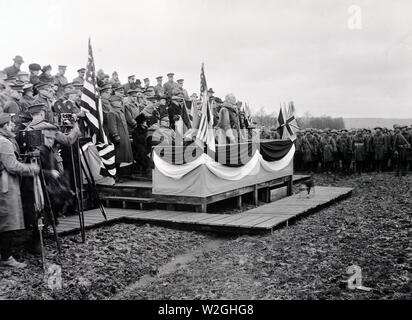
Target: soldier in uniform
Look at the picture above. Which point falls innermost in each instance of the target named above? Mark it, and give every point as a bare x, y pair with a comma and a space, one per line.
123, 150
146, 83
114, 81
131, 109
28, 97
45, 96
109, 118
60, 80
214, 106
131, 84
11, 211
185, 94
23, 77
328, 147
13, 105
401, 146
379, 148
344, 144
80, 78
308, 144
170, 85
15, 68
359, 151
159, 87
34, 69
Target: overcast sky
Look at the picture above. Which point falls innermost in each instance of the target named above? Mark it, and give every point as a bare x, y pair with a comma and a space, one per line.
265, 52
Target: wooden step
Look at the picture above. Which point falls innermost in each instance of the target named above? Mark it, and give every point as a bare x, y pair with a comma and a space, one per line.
129, 199
125, 200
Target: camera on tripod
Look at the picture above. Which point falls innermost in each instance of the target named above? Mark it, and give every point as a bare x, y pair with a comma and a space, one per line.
29, 140
64, 119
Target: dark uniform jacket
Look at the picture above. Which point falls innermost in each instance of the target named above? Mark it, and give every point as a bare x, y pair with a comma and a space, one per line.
123, 150
11, 71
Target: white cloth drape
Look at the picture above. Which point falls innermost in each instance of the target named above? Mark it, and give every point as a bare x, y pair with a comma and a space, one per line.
224, 172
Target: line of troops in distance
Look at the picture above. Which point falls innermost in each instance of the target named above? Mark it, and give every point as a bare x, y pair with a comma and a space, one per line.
358, 150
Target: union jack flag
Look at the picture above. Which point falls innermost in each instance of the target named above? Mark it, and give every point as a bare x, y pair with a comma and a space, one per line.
287, 122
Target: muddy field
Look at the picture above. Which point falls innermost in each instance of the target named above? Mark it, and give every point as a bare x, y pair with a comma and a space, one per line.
307, 260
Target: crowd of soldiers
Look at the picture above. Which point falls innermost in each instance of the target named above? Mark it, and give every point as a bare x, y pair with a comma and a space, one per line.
354, 151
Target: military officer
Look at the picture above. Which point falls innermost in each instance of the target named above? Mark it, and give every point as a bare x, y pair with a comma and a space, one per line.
80, 78
170, 85
379, 148
131, 84
401, 145
146, 83
159, 87
60, 80
185, 94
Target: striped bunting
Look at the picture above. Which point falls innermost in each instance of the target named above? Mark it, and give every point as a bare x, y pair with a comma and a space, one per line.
91, 103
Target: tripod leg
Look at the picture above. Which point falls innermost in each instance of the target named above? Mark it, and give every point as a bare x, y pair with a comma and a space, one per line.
76, 189
81, 193
48, 204
93, 185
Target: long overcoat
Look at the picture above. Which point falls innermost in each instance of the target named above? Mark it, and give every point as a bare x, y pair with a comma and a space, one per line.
11, 211
123, 150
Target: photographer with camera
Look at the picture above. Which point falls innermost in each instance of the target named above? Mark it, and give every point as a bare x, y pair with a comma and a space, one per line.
56, 184
11, 211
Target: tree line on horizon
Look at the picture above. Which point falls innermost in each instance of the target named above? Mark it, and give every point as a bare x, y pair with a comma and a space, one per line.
305, 121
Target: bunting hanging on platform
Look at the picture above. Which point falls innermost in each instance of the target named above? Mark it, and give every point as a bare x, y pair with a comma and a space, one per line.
224, 172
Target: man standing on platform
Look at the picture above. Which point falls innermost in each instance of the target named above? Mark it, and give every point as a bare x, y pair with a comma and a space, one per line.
146, 83
170, 85
60, 80
123, 150
80, 78
159, 87
13, 70
184, 91
34, 69
131, 84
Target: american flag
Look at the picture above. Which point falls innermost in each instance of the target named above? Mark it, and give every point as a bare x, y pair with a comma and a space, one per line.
287, 122
91, 103
205, 130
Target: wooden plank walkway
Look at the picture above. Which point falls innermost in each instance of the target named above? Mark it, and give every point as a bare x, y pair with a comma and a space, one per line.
261, 219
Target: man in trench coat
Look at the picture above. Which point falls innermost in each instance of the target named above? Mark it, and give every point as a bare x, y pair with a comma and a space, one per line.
11, 211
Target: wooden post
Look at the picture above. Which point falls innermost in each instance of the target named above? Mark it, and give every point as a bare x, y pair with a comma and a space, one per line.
255, 195
289, 186
203, 206
239, 201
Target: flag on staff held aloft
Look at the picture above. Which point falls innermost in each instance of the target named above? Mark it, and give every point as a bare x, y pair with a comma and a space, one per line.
287, 122
90, 103
205, 131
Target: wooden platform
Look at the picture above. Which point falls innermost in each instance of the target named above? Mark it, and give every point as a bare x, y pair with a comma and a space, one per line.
123, 194
261, 219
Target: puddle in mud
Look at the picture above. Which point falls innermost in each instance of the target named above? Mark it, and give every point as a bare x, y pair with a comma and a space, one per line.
170, 267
